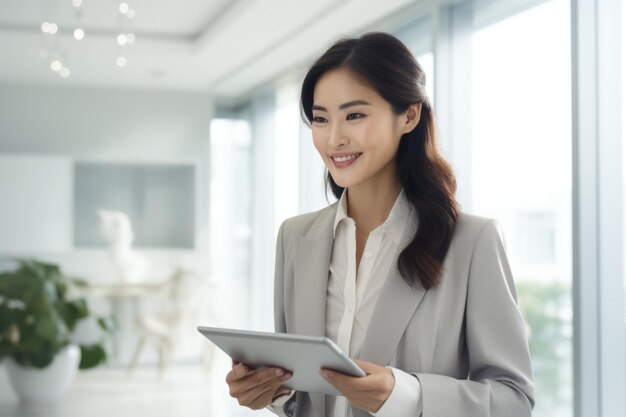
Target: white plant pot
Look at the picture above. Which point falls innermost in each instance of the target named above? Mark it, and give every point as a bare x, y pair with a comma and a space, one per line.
34, 385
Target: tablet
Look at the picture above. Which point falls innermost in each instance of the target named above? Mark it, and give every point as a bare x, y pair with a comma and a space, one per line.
303, 356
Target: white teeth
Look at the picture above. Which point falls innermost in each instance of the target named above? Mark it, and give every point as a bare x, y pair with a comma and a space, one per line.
345, 158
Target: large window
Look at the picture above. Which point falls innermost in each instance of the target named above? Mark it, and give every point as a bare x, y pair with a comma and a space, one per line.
416, 36
623, 26
521, 173
624, 110
230, 219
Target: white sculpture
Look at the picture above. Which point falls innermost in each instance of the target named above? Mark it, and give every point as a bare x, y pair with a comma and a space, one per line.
116, 228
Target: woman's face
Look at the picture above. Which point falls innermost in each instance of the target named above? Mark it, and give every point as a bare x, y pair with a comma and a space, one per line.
356, 131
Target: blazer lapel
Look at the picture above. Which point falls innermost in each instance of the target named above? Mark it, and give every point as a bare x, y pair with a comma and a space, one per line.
312, 260
396, 305
311, 281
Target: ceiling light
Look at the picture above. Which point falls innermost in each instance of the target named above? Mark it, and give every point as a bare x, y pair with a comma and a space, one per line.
124, 7
130, 38
52, 28
121, 39
56, 65
45, 27
77, 3
130, 13
79, 34
64, 72
120, 61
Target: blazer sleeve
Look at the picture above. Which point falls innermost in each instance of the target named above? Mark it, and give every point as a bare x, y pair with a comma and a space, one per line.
280, 325
281, 407
500, 382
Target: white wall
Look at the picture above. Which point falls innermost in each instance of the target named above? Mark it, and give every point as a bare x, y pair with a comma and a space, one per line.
35, 204
102, 122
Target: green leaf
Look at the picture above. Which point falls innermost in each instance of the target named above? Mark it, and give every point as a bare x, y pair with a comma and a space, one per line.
42, 269
61, 290
50, 289
107, 324
91, 356
11, 315
39, 359
51, 328
41, 305
16, 285
73, 311
79, 282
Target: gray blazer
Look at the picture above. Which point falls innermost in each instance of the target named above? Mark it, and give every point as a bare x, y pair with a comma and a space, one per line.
465, 340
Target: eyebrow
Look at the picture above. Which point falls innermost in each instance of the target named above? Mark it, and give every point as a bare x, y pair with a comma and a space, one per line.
344, 105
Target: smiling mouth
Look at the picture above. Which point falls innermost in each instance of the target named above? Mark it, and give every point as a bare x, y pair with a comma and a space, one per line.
346, 158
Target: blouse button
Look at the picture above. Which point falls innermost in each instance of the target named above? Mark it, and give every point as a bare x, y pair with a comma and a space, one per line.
368, 254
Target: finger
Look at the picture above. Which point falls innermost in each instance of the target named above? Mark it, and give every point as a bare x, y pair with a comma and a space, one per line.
265, 375
261, 395
240, 369
335, 378
255, 379
238, 372
271, 389
343, 390
262, 400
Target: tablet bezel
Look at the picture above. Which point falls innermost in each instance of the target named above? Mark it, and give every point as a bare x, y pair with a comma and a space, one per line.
237, 344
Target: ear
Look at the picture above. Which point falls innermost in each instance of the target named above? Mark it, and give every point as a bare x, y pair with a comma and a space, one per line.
411, 117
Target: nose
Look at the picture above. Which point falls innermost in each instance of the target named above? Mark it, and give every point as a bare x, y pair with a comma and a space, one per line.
337, 138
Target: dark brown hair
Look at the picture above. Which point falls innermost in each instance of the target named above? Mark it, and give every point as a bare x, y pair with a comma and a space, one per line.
387, 66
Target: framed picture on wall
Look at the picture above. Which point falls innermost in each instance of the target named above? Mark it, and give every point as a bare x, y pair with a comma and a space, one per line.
159, 200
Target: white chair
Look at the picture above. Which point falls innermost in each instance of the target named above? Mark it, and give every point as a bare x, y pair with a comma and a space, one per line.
177, 315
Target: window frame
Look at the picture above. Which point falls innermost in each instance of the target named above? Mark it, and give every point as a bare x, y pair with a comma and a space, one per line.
598, 245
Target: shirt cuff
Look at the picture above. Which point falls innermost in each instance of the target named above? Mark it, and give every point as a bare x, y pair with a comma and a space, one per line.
277, 405
280, 401
405, 398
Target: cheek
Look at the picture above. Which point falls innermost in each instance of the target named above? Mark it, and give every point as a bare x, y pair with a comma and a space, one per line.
377, 136
368, 134
319, 142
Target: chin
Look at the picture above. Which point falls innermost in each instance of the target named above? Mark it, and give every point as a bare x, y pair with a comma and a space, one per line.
343, 182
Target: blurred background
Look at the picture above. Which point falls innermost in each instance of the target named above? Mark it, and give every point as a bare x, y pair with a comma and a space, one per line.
152, 148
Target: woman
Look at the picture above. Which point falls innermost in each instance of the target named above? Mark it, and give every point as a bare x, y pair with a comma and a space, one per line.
419, 293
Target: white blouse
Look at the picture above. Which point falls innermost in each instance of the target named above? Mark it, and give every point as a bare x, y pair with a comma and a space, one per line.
351, 298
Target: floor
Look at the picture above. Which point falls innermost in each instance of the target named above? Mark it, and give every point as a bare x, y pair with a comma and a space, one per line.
185, 390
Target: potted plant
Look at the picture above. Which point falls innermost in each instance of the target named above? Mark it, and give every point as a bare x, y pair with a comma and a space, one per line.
38, 316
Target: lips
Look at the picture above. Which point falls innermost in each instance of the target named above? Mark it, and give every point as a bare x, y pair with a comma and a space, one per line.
345, 160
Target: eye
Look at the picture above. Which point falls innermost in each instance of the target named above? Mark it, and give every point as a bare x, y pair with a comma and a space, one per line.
354, 116
318, 119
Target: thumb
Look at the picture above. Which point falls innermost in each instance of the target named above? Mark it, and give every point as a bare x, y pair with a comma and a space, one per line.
368, 367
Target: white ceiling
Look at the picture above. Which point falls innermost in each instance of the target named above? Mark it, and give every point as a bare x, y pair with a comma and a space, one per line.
222, 47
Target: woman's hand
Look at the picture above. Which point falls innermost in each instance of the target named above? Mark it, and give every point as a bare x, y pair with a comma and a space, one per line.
369, 392
256, 389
